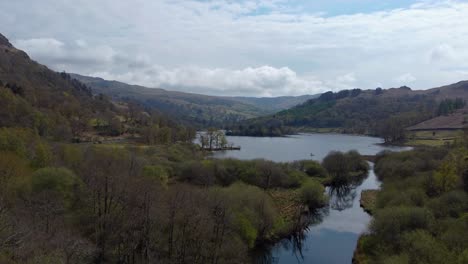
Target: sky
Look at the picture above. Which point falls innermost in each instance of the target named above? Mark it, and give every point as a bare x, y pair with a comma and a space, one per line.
248, 48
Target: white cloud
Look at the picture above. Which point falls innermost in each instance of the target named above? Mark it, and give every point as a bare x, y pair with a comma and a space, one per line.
223, 46
259, 81
61, 56
442, 52
405, 79
41, 46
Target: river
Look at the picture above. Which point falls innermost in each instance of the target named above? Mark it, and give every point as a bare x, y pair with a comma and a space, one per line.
333, 237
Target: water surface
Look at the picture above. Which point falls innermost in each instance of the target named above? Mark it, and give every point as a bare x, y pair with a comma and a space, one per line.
301, 146
333, 237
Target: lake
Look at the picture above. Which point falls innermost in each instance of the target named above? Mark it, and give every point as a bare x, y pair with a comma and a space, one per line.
333, 237
299, 147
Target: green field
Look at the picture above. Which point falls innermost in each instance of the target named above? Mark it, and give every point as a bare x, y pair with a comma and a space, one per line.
433, 137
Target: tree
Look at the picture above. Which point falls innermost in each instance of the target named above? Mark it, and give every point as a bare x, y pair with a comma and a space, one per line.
337, 166
213, 139
107, 174
446, 178
157, 173
43, 155
53, 191
115, 126
392, 130
312, 195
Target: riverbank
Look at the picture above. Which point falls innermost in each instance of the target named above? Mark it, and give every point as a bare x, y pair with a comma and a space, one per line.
368, 203
368, 200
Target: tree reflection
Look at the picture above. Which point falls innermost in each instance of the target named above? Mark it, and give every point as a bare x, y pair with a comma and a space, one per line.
295, 242
342, 195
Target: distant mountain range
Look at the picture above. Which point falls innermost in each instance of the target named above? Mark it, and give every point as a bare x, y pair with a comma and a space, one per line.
194, 109
372, 112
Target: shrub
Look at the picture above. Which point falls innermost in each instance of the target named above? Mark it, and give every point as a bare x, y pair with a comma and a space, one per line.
390, 223
314, 169
59, 182
451, 204
455, 235
422, 247
157, 173
198, 173
345, 167
253, 210
313, 194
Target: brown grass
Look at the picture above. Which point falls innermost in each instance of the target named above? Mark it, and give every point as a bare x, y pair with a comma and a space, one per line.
368, 200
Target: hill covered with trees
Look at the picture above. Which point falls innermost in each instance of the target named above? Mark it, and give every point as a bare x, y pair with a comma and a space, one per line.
62, 108
153, 199
380, 112
197, 110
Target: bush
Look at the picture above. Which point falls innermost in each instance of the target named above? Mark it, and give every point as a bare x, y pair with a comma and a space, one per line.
198, 173
253, 210
313, 195
156, 173
422, 247
60, 182
455, 235
345, 167
314, 169
295, 179
390, 223
451, 204
395, 197
463, 257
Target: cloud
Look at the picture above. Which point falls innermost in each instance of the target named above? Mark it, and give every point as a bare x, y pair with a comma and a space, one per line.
259, 81
48, 47
405, 78
442, 52
61, 56
244, 47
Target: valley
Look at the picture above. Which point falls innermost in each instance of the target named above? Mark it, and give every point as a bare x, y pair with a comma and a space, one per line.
98, 171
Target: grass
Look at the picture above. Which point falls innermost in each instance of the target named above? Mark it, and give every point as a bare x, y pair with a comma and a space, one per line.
288, 203
433, 138
368, 200
320, 130
359, 257
325, 181
428, 142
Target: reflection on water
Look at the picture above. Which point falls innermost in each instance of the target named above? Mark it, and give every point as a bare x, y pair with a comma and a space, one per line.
333, 231
297, 248
300, 147
342, 197
332, 235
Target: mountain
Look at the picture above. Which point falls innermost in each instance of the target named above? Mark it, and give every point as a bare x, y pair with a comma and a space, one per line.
193, 109
275, 104
372, 112
60, 107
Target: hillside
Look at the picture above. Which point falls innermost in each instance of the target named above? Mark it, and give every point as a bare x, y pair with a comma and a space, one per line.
452, 121
275, 104
140, 192
373, 112
193, 109
59, 107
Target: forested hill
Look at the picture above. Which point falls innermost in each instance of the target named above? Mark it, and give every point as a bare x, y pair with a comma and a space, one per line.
56, 106
275, 104
373, 112
194, 109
